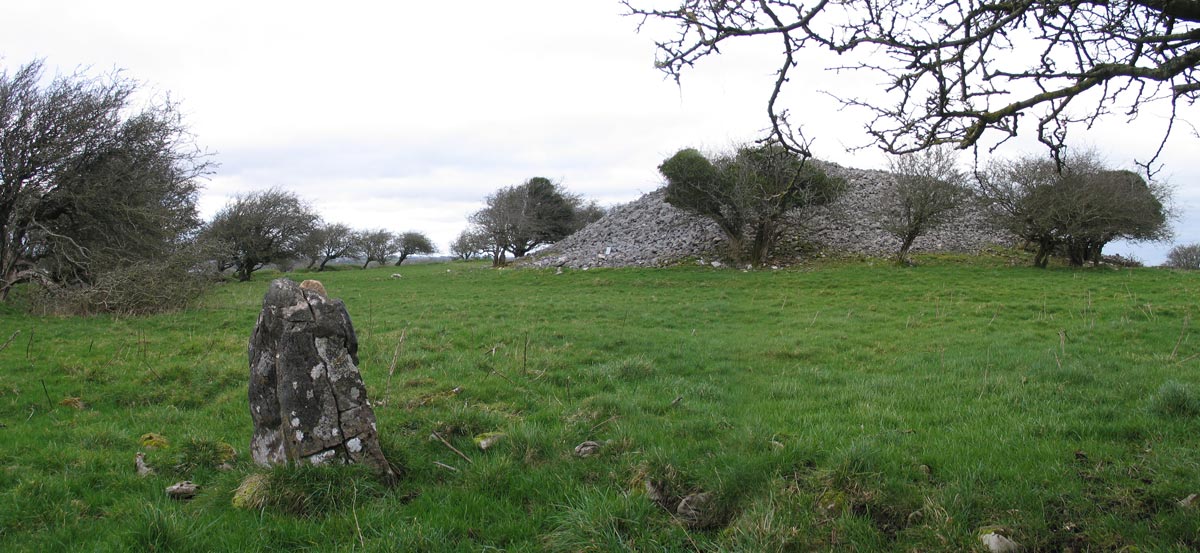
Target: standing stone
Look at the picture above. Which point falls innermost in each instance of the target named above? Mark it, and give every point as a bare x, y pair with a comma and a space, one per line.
307, 398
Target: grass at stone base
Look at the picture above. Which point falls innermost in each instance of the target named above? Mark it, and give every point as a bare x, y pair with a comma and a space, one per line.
851, 406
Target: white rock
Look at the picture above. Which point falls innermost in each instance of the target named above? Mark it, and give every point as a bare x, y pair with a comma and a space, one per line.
182, 490
997, 543
587, 449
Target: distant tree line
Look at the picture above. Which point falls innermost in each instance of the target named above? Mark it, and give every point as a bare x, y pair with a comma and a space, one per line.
98, 203
275, 226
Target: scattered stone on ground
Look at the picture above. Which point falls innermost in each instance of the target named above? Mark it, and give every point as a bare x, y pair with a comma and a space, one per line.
182, 490
139, 461
587, 449
697, 510
307, 398
397, 275
1189, 501
488, 439
996, 542
649, 232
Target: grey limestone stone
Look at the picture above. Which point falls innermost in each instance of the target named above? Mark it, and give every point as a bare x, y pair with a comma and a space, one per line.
307, 398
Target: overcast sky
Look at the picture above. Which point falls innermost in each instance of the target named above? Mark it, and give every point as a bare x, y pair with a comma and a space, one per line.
403, 115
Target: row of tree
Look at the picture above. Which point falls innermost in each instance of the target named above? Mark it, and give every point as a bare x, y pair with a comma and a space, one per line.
98, 203
1073, 206
277, 226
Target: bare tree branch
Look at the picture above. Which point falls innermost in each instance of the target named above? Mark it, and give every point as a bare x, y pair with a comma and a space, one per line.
959, 71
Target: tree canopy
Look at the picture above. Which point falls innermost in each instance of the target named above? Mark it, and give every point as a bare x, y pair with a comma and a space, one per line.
955, 71
1076, 208
376, 245
327, 242
261, 227
749, 189
88, 182
519, 218
413, 242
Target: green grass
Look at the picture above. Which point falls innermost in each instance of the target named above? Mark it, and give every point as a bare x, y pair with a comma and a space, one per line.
851, 406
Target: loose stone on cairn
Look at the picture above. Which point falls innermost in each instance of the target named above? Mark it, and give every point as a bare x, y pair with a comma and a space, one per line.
307, 398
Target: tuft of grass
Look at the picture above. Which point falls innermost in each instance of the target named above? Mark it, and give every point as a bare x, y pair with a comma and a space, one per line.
319, 491
199, 453
1174, 399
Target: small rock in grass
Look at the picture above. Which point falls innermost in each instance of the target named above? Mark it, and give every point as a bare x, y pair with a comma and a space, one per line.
1189, 501
139, 461
587, 449
182, 490
697, 510
488, 439
998, 543
397, 275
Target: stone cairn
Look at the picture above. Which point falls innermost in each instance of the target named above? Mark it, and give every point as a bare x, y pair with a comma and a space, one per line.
649, 232
307, 398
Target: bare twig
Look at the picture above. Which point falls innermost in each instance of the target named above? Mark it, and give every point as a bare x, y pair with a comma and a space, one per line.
354, 511
525, 354
445, 466
10, 340
452, 448
603, 422
392, 366
49, 404
1182, 333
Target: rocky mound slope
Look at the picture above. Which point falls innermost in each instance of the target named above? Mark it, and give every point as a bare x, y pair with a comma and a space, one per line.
648, 232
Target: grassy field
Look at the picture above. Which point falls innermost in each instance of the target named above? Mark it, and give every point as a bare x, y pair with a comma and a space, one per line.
853, 406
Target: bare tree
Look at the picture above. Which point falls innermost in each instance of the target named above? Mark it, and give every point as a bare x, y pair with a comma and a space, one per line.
959, 69
470, 243
327, 242
750, 189
89, 183
413, 242
376, 245
260, 228
1184, 256
928, 190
